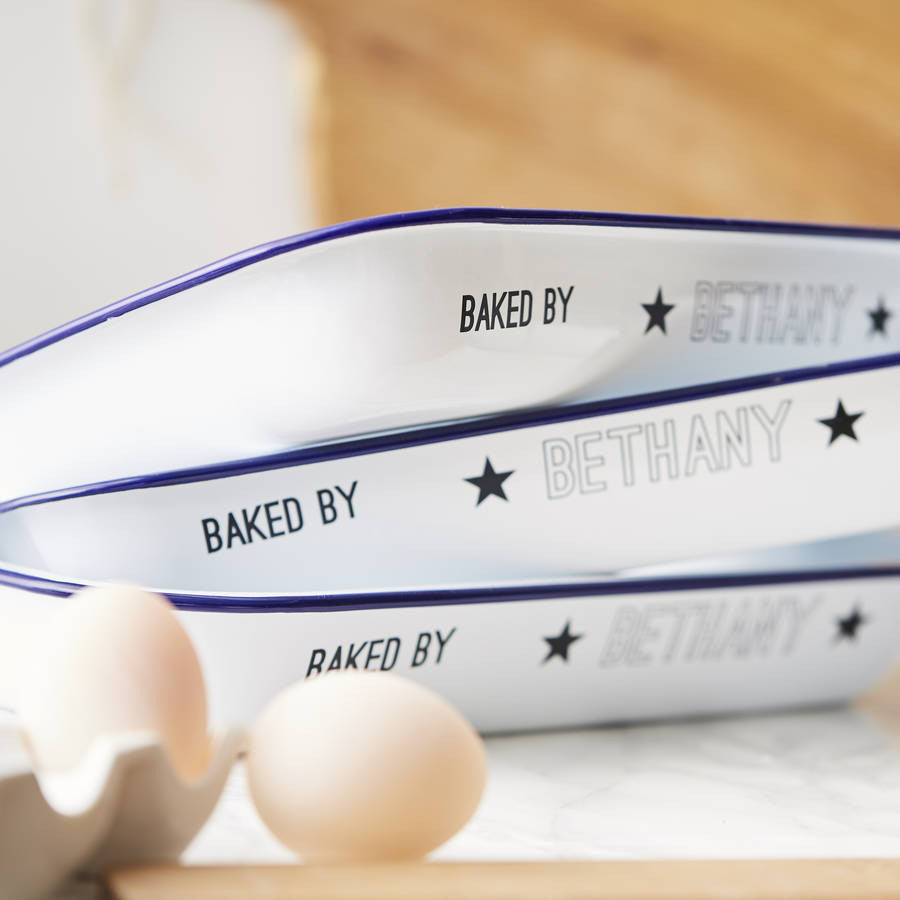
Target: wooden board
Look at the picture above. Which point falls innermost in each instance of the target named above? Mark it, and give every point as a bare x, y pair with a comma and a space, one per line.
747, 108
682, 880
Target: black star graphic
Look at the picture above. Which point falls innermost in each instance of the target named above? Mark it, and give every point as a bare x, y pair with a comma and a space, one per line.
559, 646
841, 423
657, 311
490, 482
849, 625
879, 317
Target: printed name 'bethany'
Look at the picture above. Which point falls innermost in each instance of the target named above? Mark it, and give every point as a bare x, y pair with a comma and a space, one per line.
651, 451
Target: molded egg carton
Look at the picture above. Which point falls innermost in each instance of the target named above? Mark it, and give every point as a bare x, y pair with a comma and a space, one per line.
123, 803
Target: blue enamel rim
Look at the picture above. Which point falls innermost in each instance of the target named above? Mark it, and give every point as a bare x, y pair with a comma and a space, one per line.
345, 602
483, 215
431, 434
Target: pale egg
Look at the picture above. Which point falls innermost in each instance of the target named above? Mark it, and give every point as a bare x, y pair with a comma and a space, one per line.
115, 659
364, 766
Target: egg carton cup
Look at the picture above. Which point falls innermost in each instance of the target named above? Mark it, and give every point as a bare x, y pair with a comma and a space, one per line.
123, 803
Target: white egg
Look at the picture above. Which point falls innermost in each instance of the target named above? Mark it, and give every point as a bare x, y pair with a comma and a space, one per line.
364, 766
115, 659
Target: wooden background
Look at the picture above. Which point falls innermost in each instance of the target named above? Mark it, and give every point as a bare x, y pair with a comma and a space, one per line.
784, 109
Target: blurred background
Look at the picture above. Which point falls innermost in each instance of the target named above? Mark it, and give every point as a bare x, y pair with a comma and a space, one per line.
144, 138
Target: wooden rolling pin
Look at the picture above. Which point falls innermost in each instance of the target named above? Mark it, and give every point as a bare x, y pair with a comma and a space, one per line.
806, 879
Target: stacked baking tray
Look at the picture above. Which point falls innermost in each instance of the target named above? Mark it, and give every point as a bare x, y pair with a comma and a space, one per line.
562, 467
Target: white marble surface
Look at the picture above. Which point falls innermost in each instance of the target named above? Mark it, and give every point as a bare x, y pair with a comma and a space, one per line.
809, 784
806, 784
